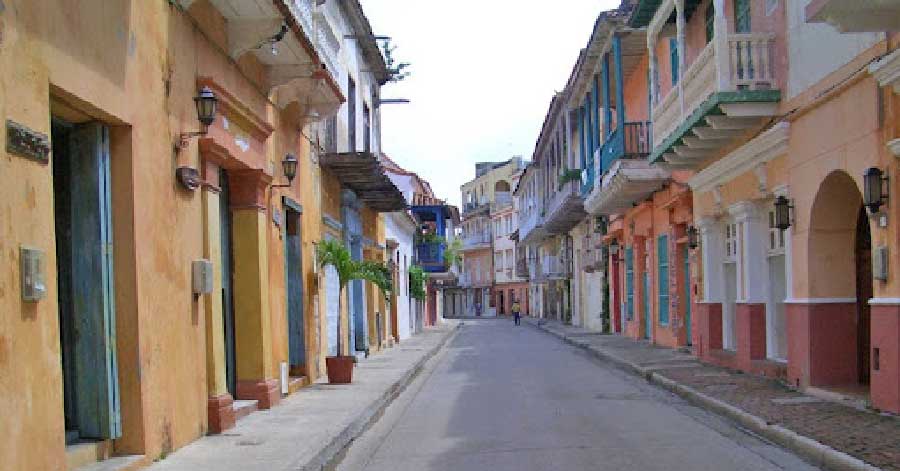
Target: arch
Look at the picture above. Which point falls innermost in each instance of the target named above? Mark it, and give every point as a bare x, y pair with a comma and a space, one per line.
502, 186
832, 237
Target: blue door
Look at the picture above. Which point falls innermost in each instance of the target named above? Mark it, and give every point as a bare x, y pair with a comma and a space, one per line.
227, 284
82, 187
293, 267
646, 297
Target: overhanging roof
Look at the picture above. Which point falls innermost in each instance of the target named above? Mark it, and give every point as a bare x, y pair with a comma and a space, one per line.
364, 174
645, 10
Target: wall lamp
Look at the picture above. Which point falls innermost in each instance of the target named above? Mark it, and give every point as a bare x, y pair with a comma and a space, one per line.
783, 209
693, 236
289, 167
206, 103
614, 247
874, 193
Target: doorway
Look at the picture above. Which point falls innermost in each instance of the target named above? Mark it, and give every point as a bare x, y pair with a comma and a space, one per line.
863, 255
225, 224
501, 305
646, 302
83, 224
293, 267
686, 260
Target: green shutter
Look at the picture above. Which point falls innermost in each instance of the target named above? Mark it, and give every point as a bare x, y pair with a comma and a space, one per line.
662, 260
742, 16
629, 283
673, 59
710, 16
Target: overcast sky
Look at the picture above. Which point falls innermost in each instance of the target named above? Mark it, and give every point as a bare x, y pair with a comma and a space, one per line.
483, 74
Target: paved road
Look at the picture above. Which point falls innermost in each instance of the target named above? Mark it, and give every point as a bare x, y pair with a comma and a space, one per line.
501, 397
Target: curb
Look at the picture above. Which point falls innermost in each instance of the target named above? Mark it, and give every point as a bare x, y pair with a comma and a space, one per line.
817, 453
371, 413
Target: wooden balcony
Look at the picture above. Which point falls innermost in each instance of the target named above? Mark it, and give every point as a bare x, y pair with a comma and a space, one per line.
430, 256
728, 91
566, 209
629, 142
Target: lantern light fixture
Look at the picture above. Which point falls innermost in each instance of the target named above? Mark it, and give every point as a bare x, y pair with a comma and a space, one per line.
207, 104
693, 236
289, 168
783, 209
614, 247
874, 194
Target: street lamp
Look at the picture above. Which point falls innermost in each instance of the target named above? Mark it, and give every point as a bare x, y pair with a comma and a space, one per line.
693, 237
289, 167
873, 189
782, 213
206, 104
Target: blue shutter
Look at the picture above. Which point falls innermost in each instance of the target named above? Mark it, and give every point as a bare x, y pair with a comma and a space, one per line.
662, 260
629, 283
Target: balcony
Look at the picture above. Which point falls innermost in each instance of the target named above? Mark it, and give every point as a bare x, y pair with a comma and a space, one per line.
627, 183
478, 240
476, 209
859, 16
555, 267
727, 92
430, 256
531, 226
521, 263
502, 200
630, 142
566, 209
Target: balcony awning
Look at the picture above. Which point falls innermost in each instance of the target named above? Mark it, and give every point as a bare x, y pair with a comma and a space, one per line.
364, 174
858, 16
717, 123
627, 183
566, 213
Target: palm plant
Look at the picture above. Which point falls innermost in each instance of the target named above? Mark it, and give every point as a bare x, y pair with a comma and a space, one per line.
333, 252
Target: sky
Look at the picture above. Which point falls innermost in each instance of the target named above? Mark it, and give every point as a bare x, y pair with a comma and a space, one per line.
483, 73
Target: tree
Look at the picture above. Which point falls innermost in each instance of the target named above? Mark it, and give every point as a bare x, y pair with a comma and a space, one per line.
333, 252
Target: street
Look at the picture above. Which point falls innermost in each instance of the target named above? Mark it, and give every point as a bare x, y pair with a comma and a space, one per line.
501, 397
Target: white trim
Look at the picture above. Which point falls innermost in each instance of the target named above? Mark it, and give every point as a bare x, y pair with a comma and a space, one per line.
887, 71
759, 150
894, 147
884, 301
819, 300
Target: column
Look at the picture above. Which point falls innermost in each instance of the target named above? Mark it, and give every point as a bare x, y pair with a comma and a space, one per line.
679, 26
256, 378
620, 86
720, 43
220, 410
753, 286
707, 328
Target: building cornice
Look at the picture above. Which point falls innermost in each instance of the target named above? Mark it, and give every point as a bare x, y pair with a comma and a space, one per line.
887, 70
759, 150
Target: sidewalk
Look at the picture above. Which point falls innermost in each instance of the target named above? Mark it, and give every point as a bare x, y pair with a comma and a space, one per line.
310, 427
830, 435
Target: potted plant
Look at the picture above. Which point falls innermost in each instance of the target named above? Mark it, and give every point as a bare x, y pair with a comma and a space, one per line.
334, 253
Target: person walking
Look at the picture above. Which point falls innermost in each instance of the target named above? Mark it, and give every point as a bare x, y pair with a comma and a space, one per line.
517, 312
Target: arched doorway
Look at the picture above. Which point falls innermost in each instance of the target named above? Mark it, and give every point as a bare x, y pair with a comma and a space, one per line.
836, 333
502, 186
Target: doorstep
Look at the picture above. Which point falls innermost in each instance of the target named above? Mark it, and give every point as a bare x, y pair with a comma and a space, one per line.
243, 408
95, 456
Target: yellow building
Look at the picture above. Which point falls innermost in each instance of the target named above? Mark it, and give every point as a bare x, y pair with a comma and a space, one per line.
158, 267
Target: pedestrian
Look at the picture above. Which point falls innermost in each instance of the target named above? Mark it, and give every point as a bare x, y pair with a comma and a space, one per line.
517, 312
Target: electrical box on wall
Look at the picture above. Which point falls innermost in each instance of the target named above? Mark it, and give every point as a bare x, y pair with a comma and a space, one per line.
202, 277
32, 273
880, 263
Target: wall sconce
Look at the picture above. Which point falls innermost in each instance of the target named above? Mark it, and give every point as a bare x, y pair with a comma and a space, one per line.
782, 213
206, 103
693, 236
289, 167
614, 247
599, 225
874, 194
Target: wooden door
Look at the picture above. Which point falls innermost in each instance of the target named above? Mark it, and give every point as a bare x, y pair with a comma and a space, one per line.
90, 284
227, 255
863, 294
293, 265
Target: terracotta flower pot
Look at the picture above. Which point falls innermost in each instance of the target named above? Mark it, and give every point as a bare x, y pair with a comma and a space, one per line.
340, 369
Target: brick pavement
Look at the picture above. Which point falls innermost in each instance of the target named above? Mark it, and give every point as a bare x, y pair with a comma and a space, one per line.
863, 434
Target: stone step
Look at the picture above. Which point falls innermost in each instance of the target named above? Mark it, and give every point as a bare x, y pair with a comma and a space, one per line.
297, 383
243, 408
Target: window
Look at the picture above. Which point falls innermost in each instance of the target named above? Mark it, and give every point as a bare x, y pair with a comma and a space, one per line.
662, 261
710, 17
673, 59
498, 261
742, 16
330, 138
367, 128
776, 237
731, 242
629, 283
509, 259
351, 114
770, 6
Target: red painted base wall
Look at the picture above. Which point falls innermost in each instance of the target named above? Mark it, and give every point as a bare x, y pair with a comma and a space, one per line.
886, 340
821, 344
